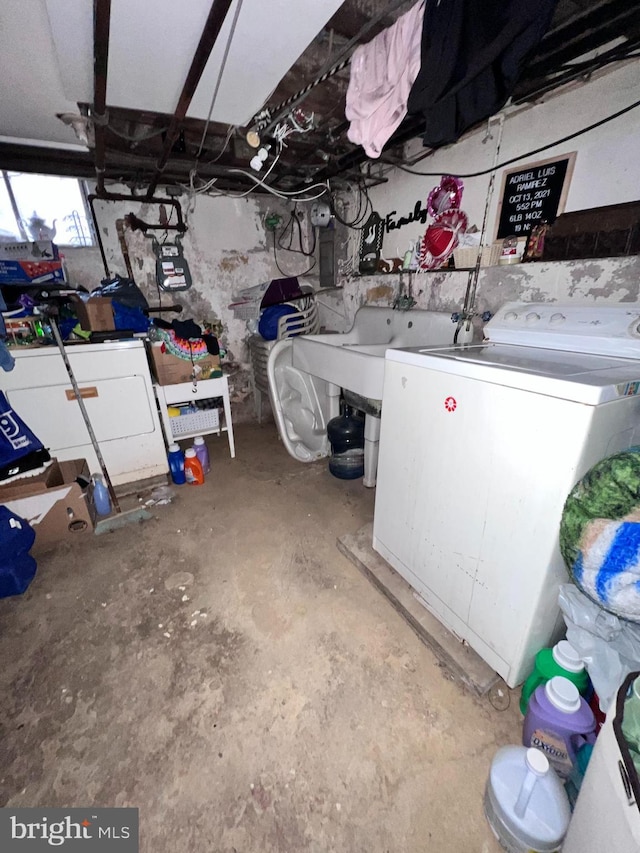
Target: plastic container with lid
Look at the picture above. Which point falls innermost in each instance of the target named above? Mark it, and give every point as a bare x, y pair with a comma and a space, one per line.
559, 722
509, 253
563, 660
192, 468
176, 464
525, 802
202, 453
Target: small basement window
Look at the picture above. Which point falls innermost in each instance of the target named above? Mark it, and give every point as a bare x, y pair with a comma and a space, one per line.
44, 207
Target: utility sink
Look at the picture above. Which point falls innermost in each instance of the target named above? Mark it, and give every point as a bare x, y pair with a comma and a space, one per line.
354, 360
306, 374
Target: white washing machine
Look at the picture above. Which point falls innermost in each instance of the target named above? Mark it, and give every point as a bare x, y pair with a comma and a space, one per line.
480, 446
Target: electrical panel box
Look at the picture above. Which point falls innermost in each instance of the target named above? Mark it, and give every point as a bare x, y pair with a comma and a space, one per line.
327, 256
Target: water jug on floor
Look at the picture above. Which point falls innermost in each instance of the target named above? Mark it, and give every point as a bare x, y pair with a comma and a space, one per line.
346, 436
525, 803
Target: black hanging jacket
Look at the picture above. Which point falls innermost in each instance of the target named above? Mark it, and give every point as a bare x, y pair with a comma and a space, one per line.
472, 54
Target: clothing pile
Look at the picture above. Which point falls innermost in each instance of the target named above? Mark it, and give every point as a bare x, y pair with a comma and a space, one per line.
184, 339
454, 62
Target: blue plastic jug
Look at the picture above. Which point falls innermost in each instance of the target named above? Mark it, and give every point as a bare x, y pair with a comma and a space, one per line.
101, 498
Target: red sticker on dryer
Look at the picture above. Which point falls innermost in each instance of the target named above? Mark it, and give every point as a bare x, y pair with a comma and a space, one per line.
451, 404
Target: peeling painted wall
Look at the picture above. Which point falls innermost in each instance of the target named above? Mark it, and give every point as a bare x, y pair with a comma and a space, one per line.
591, 281
606, 172
227, 249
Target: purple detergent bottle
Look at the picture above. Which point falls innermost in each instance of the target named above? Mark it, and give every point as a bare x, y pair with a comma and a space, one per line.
202, 453
559, 722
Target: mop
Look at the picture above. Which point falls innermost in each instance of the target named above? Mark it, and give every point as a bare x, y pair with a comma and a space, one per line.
119, 517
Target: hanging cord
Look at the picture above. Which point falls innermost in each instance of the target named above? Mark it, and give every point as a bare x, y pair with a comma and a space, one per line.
361, 218
301, 95
472, 282
522, 156
288, 228
227, 48
310, 253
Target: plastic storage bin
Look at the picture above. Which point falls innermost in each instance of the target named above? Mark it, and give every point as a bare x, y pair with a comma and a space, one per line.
201, 421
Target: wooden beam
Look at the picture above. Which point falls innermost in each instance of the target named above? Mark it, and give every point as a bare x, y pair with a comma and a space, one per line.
101, 26
217, 14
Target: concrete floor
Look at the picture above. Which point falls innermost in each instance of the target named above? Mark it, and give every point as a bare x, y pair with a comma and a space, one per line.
295, 712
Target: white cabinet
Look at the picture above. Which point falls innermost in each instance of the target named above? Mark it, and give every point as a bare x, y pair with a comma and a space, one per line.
115, 382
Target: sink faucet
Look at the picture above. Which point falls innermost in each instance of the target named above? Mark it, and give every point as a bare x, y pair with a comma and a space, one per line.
404, 301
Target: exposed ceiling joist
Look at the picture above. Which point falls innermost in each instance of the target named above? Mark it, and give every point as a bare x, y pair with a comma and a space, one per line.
138, 145
101, 25
212, 27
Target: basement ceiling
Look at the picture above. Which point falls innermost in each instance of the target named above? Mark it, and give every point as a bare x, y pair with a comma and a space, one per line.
253, 53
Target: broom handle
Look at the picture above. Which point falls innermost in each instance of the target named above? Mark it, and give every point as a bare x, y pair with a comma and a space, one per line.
85, 415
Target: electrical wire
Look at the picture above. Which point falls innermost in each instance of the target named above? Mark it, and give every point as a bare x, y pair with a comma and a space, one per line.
361, 218
276, 113
297, 194
227, 48
293, 217
266, 175
528, 153
280, 270
131, 137
225, 145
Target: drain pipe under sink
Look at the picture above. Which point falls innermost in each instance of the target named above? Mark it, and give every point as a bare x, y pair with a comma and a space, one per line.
371, 440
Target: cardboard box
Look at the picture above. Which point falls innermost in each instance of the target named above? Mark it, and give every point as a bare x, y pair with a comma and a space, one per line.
170, 370
95, 314
30, 272
53, 503
43, 250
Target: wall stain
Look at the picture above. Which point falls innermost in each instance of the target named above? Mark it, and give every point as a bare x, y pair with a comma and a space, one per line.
585, 269
379, 293
229, 264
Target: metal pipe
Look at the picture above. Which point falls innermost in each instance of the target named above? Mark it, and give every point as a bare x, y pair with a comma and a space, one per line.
124, 248
14, 206
101, 23
179, 226
217, 14
472, 281
91, 199
84, 413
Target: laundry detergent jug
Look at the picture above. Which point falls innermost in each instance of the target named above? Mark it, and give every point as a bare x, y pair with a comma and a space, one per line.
193, 472
563, 660
558, 722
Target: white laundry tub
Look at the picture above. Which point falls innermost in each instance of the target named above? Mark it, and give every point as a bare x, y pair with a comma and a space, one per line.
306, 374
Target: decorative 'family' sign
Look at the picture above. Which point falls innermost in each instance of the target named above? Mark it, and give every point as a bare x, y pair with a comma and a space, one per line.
533, 194
418, 214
